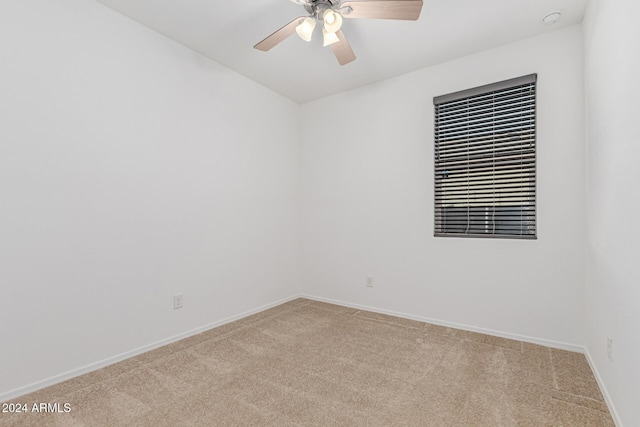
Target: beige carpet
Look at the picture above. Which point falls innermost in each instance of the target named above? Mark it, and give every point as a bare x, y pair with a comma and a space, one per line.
307, 363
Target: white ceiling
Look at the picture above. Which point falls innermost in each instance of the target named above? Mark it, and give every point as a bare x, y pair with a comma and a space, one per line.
226, 31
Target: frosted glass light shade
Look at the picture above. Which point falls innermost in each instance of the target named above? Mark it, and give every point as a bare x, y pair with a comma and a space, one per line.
329, 38
305, 30
332, 21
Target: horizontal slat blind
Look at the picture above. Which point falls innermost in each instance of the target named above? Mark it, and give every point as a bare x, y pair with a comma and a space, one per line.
485, 161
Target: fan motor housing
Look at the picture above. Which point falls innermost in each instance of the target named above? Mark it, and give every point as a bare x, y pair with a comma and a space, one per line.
317, 7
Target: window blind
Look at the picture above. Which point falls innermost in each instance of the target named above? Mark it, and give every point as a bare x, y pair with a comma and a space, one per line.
485, 161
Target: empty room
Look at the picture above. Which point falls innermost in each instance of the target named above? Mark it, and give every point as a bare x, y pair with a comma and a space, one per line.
319, 213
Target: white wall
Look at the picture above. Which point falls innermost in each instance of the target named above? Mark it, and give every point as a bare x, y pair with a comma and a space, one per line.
612, 68
131, 169
368, 201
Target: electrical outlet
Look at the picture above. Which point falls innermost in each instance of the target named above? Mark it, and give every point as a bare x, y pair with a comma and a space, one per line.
610, 348
177, 301
369, 282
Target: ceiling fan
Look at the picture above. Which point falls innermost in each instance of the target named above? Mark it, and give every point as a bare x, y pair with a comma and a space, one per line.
331, 12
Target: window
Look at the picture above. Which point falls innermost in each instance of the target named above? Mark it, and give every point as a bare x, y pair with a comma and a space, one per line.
485, 161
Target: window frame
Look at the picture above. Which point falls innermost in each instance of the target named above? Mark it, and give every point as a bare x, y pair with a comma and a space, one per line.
527, 206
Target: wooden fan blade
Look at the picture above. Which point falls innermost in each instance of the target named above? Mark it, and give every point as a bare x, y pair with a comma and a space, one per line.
408, 10
342, 49
279, 35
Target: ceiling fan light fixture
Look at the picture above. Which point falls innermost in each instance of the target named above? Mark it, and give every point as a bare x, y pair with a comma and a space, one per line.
332, 20
329, 38
305, 29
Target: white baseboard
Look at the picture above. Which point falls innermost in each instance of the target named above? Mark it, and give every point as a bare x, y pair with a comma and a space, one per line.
547, 343
603, 389
30, 388
12, 394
